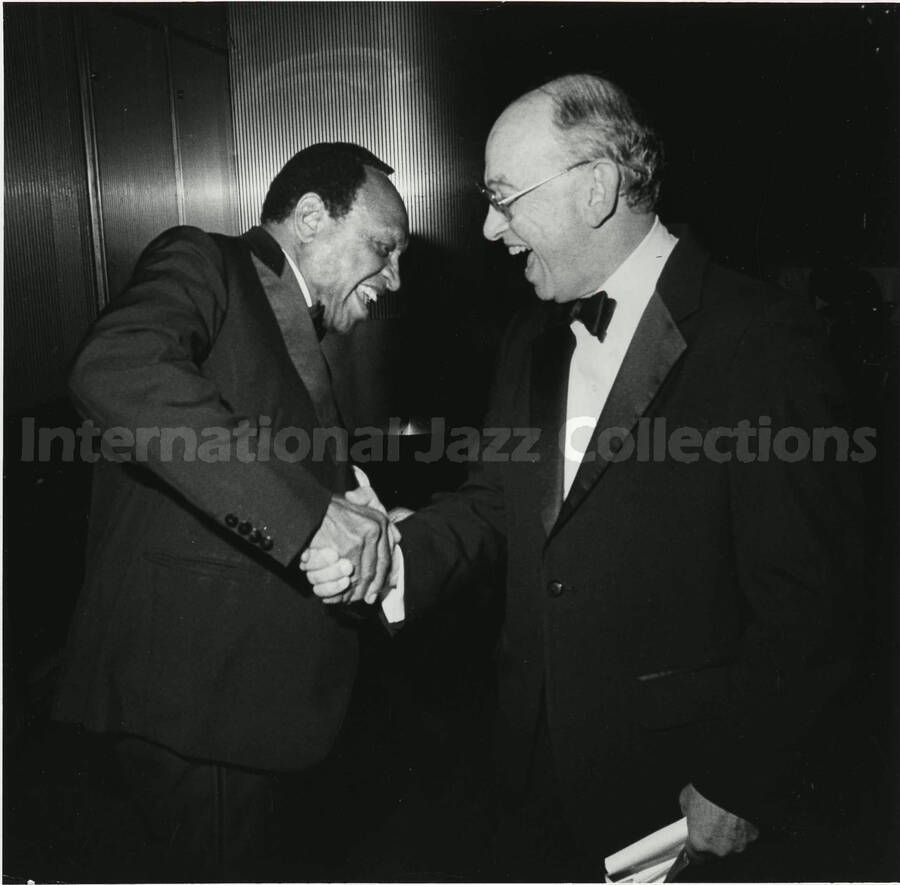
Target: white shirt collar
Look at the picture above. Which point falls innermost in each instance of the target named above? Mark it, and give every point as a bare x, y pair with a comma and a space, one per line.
640, 271
596, 364
300, 281
633, 282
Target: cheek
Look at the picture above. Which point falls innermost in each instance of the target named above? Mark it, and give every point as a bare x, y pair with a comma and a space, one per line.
542, 235
360, 268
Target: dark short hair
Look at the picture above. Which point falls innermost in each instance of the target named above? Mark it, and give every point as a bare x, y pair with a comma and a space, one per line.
597, 118
334, 170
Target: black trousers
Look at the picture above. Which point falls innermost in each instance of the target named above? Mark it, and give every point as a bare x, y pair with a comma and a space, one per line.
205, 821
534, 841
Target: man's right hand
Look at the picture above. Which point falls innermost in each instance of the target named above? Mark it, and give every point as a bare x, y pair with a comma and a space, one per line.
359, 541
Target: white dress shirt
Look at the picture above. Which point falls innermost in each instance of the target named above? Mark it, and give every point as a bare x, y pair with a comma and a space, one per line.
596, 363
300, 281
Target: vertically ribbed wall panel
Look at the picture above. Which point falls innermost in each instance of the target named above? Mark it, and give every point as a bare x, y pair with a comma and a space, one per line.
49, 292
133, 126
367, 73
375, 74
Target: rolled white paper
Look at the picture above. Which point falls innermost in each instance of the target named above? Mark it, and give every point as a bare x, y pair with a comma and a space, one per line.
656, 850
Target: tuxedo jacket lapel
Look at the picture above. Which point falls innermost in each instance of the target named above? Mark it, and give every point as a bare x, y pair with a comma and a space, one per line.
655, 349
295, 324
551, 354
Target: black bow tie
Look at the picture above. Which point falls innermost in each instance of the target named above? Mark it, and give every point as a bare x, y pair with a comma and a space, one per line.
594, 312
317, 315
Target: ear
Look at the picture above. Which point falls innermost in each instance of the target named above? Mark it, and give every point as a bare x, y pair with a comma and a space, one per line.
308, 217
606, 180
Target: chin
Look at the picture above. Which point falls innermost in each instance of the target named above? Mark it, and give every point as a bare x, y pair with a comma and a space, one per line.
349, 324
556, 294
540, 291
545, 294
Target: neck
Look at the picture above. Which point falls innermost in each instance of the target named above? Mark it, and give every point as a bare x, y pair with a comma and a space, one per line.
295, 257
281, 235
621, 237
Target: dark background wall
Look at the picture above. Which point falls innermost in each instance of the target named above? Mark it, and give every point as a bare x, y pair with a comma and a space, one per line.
378, 75
118, 125
49, 283
160, 133
780, 123
781, 127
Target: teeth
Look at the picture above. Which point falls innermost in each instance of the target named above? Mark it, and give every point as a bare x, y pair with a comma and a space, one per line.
370, 295
518, 250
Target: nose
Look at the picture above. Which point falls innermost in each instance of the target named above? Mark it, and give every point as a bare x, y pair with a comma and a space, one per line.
494, 224
391, 272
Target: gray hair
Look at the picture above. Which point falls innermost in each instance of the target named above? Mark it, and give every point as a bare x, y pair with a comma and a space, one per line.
598, 119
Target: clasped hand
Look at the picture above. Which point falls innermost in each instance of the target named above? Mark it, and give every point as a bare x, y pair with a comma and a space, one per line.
351, 556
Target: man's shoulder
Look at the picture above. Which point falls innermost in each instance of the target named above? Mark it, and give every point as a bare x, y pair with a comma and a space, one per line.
731, 297
731, 293
760, 322
719, 303
185, 235
727, 281
188, 246
753, 300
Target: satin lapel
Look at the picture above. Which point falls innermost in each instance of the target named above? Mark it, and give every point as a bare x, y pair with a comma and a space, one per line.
551, 354
299, 334
654, 350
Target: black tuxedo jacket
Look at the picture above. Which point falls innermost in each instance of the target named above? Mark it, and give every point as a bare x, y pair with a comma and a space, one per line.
194, 628
680, 620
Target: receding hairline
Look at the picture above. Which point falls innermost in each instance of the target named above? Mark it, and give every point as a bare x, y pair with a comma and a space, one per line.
554, 92
591, 115
514, 115
539, 99
377, 185
535, 97
380, 183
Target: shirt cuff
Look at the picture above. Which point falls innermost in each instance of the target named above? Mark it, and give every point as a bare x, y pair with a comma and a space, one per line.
393, 602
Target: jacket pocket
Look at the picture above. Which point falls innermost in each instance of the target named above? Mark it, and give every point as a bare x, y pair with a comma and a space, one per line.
208, 566
671, 698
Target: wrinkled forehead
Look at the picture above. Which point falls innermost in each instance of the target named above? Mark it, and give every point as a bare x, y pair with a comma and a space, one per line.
523, 143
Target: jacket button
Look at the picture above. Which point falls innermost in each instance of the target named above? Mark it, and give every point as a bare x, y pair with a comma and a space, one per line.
555, 588
231, 520
267, 543
244, 528
254, 536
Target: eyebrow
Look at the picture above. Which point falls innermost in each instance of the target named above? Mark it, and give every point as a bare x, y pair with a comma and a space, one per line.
391, 241
400, 238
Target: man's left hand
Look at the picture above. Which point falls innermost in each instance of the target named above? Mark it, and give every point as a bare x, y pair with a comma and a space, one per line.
713, 830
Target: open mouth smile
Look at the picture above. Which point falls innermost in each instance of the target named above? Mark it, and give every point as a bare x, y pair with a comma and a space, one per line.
367, 294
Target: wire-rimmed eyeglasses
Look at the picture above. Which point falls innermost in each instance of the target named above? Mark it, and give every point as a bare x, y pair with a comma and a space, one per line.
502, 204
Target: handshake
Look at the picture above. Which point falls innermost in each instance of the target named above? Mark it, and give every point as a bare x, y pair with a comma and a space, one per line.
353, 554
